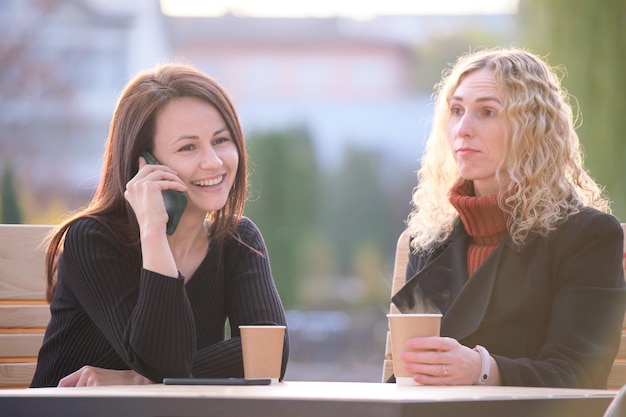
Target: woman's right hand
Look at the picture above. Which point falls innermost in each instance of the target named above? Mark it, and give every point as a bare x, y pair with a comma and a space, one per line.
144, 194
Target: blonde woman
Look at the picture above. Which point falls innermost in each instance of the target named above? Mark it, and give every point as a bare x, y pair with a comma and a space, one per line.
512, 240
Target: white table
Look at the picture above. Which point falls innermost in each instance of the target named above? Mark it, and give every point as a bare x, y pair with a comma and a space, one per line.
303, 399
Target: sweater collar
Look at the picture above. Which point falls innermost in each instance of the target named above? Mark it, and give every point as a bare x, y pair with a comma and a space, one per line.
482, 216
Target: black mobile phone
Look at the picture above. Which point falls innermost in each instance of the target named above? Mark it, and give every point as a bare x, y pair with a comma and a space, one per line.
175, 201
216, 381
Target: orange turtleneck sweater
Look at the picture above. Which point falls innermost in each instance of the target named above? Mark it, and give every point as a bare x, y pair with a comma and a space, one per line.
484, 221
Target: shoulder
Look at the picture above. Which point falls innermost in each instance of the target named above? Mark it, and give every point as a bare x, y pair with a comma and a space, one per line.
247, 234
590, 222
246, 227
85, 232
589, 230
85, 227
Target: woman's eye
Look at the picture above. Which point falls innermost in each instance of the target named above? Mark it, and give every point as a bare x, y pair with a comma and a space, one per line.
186, 148
220, 140
456, 111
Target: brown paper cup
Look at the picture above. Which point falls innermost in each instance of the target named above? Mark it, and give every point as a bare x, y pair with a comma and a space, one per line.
403, 327
262, 349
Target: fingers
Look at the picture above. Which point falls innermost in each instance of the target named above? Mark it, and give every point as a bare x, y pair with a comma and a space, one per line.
92, 376
439, 361
81, 378
160, 175
70, 381
143, 191
437, 369
432, 343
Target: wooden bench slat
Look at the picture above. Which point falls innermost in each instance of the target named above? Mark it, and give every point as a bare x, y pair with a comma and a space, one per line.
24, 316
20, 345
617, 377
16, 375
621, 353
21, 359
22, 262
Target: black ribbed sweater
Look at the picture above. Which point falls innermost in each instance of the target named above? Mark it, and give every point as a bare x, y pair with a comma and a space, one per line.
109, 312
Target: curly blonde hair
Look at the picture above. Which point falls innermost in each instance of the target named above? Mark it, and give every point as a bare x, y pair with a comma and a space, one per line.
542, 178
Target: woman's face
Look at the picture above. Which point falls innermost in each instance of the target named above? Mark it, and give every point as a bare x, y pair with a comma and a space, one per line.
477, 130
192, 138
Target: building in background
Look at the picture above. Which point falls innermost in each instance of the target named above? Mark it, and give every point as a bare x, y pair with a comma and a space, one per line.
61, 67
320, 73
64, 62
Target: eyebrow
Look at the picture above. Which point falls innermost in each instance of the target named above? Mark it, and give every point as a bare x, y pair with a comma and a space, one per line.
222, 130
217, 132
478, 100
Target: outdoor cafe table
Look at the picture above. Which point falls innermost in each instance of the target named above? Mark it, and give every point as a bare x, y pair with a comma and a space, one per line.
303, 399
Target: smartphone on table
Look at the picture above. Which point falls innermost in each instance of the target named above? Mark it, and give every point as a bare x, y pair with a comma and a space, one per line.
175, 201
216, 381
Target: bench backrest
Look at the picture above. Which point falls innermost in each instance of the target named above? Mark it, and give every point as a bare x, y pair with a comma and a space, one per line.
397, 281
617, 377
24, 312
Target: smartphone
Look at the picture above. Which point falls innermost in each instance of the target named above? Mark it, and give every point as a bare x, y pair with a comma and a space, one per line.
175, 201
216, 381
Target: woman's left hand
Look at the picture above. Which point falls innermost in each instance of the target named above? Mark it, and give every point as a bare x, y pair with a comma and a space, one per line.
441, 361
91, 376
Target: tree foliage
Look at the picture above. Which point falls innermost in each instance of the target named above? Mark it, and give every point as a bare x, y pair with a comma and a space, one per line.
587, 38
283, 201
441, 51
330, 232
11, 213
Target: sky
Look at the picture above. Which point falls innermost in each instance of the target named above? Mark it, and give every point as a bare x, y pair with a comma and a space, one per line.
358, 9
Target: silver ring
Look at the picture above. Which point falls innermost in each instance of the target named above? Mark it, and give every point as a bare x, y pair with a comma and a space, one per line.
445, 370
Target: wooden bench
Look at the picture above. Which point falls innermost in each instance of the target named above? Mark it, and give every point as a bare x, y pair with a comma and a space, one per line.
617, 377
397, 281
24, 312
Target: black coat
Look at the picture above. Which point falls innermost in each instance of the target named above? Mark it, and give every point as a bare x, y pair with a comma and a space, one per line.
550, 311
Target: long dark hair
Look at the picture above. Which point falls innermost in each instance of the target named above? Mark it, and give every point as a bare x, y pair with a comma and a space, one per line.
131, 131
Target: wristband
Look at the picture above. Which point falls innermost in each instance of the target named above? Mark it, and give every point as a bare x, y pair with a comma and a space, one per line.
485, 365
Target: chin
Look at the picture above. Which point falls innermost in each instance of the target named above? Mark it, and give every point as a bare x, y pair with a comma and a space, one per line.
215, 206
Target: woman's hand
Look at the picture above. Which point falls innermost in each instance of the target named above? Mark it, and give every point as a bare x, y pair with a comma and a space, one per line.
88, 376
444, 361
144, 193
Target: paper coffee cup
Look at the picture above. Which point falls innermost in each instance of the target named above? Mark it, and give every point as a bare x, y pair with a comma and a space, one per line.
262, 350
403, 327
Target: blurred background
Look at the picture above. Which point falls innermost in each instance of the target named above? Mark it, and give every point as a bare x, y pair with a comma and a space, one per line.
335, 101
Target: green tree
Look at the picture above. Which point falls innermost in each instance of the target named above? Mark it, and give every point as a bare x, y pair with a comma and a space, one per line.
11, 213
283, 202
433, 56
356, 214
587, 38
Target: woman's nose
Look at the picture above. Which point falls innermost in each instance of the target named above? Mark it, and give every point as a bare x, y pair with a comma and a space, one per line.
465, 127
210, 159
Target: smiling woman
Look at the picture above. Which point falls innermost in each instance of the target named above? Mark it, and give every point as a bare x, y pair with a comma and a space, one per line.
132, 304
327, 8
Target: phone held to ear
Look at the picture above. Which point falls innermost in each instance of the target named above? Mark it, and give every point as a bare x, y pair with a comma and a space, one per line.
175, 201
